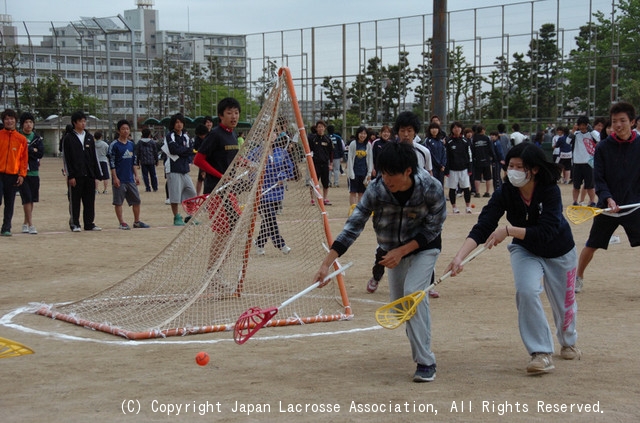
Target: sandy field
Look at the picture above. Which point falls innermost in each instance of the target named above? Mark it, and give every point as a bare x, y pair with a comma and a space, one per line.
326, 372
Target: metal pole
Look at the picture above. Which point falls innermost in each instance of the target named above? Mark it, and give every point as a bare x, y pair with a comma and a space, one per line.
440, 59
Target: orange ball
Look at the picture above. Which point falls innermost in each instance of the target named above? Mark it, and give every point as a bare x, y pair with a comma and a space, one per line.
473, 206
202, 358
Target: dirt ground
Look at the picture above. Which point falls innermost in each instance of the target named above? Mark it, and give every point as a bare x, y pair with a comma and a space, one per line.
303, 373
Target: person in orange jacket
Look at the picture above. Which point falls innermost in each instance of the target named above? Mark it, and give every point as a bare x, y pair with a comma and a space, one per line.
14, 158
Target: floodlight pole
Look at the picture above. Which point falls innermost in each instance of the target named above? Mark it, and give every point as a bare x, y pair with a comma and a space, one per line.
440, 59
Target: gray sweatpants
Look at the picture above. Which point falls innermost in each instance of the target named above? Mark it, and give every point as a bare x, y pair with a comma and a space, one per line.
558, 276
412, 274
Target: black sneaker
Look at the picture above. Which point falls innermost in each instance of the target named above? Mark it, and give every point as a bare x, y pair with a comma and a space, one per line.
424, 373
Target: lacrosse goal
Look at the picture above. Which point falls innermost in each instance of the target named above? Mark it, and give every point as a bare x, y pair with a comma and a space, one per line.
229, 257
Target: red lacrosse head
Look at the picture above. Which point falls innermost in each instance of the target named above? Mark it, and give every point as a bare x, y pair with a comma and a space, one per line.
250, 322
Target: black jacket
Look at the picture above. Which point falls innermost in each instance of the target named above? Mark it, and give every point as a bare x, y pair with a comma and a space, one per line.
80, 159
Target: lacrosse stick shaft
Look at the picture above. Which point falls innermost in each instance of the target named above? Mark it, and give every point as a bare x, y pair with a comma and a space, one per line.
465, 261
315, 285
626, 206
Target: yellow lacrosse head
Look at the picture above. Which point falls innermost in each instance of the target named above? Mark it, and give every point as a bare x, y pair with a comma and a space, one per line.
580, 214
392, 315
10, 348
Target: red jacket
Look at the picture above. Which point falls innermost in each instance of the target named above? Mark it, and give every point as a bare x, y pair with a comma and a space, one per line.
14, 153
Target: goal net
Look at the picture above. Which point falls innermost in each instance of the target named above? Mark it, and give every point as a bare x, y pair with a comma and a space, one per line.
255, 241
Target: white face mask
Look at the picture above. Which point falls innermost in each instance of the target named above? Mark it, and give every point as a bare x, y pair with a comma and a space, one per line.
518, 178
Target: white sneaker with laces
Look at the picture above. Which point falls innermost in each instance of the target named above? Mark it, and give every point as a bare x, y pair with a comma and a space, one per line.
25, 229
285, 250
578, 286
32, 230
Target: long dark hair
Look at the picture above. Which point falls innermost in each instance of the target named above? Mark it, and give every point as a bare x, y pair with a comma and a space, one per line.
533, 156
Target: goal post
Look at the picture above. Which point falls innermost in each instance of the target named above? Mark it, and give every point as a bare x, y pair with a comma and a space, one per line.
253, 242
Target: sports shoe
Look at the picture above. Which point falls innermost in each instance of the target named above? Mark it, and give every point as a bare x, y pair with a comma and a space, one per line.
312, 203
424, 373
476, 195
140, 224
285, 250
25, 229
177, 220
540, 363
260, 251
434, 294
95, 228
570, 353
167, 201
372, 285
76, 229
105, 192
33, 230
328, 203
592, 204
578, 286
456, 210
5, 233
486, 195
124, 226
469, 210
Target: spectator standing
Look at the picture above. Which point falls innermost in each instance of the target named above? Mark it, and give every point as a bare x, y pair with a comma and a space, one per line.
81, 161
483, 158
458, 166
359, 166
102, 149
584, 146
30, 188
125, 179
179, 149
376, 147
147, 155
438, 151
517, 137
338, 154
322, 150
14, 162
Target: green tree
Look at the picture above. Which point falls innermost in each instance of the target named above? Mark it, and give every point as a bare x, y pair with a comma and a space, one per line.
333, 91
543, 54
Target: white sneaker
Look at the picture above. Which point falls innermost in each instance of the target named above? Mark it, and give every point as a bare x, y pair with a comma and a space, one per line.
578, 285
260, 251
540, 363
33, 230
167, 201
469, 210
76, 229
285, 250
25, 229
456, 210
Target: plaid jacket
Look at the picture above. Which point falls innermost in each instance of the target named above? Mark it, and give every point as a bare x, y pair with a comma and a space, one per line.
421, 218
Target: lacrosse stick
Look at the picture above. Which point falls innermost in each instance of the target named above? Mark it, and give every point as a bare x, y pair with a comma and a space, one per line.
255, 318
392, 315
580, 214
10, 348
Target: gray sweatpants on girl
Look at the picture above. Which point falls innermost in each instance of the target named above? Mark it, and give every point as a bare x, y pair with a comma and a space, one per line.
558, 277
412, 274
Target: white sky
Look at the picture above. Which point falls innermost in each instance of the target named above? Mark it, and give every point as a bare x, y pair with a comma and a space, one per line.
251, 16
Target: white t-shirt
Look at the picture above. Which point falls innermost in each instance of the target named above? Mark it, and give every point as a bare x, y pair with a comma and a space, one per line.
584, 147
517, 138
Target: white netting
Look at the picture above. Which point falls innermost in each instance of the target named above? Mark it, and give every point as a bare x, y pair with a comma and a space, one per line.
229, 258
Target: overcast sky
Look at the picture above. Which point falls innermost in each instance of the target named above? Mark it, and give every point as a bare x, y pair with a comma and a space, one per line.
251, 16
